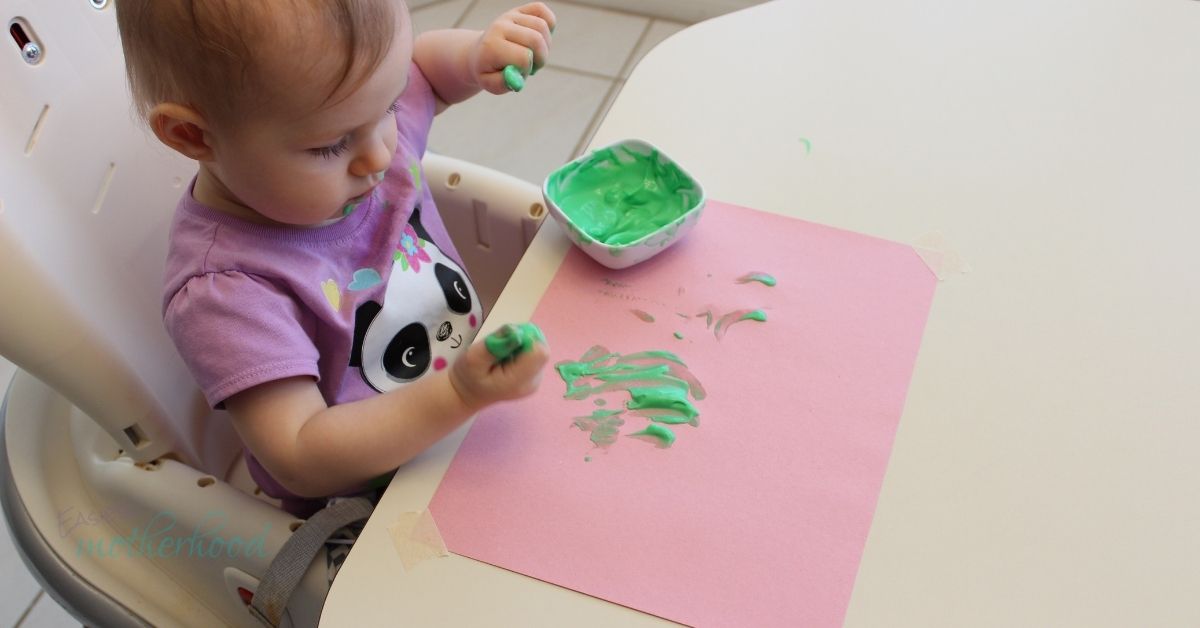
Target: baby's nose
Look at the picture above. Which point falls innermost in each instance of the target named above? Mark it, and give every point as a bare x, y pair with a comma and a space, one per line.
375, 157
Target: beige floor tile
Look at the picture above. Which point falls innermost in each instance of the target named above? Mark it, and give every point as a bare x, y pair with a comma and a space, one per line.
659, 30
526, 134
441, 15
586, 38
48, 614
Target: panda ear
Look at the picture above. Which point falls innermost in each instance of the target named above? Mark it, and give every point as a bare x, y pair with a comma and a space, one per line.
362, 321
415, 221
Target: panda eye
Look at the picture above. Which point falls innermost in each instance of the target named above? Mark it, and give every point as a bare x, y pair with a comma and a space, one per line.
454, 288
408, 355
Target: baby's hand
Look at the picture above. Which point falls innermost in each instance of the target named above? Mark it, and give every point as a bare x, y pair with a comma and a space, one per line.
520, 37
481, 379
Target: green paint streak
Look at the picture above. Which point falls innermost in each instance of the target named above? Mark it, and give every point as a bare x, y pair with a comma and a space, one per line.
513, 79
618, 196
587, 458
600, 401
708, 317
729, 319
660, 435
763, 278
679, 335
511, 340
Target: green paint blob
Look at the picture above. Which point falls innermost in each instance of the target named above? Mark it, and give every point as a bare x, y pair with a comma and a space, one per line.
587, 458
679, 335
618, 196
511, 340
763, 278
513, 79
756, 315
660, 435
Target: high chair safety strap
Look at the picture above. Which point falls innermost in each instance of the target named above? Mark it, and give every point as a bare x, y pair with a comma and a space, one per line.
293, 560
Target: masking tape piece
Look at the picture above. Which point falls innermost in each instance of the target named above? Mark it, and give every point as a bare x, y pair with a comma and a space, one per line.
939, 256
416, 538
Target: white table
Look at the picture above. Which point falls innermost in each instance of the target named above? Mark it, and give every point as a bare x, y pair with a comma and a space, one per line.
1046, 469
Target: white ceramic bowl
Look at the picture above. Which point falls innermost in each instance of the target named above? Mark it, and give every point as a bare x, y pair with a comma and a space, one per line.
601, 189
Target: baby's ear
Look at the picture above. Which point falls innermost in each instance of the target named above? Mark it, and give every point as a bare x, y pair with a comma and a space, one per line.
182, 128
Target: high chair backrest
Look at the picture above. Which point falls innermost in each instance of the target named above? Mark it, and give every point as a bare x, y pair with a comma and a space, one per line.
86, 196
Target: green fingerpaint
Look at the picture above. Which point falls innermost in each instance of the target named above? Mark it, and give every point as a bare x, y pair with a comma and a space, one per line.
660, 435
513, 79
679, 335
762, 278
619, 196
511, 340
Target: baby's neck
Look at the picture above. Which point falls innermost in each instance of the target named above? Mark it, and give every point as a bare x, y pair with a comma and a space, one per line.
211, 192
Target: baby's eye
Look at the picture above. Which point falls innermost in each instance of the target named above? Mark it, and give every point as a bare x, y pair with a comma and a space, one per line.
335, 150
394, 108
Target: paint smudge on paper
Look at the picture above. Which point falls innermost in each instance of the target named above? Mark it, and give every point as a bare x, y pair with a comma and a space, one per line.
737, 316
763, 278
643, 315
604, 425
660, 435
661, 390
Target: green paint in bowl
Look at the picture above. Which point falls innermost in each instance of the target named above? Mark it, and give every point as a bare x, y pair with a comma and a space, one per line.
624, 203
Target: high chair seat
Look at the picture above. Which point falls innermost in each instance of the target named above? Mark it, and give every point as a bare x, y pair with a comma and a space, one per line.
108, 448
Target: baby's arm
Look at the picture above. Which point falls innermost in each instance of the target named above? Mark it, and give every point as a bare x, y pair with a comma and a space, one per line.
315, 450
458, 63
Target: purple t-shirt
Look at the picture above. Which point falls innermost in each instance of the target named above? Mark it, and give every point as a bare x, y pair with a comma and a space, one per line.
363, 305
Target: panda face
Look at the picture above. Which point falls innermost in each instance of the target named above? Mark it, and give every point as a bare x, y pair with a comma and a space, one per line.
430, 313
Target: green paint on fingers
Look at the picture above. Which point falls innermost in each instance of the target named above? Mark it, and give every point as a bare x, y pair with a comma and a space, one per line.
513, 79
511, 340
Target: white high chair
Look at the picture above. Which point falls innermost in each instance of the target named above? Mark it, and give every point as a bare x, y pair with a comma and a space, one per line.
103, 427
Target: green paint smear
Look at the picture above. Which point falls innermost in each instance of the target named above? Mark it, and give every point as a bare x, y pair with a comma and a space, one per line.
613, 371
511, 340
618, 196
662, 398
763, 278
604, 426
660, 435
679, 335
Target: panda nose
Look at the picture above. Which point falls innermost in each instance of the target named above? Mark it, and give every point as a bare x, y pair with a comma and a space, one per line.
444, 331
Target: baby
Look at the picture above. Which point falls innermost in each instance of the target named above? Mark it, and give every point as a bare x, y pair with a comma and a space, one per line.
311, 286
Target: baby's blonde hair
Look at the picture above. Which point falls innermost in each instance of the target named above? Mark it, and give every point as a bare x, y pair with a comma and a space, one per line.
203, 53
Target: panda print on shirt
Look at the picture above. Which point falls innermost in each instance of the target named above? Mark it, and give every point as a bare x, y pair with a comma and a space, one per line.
430, 313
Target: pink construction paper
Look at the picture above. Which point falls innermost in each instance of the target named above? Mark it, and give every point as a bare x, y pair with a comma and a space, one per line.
758, 515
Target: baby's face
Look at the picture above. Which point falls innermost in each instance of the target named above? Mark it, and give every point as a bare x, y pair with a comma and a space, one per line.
303, 161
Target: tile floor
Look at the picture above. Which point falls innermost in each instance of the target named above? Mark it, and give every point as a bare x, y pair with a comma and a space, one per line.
525, 134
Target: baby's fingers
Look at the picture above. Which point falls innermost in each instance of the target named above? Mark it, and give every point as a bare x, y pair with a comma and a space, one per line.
540, 11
